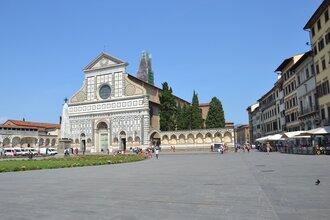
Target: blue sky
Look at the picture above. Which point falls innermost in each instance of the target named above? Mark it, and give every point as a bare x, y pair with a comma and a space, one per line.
222, 48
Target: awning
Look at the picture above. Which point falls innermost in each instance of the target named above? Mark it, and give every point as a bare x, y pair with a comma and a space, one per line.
316, 131
275, 137
294, 134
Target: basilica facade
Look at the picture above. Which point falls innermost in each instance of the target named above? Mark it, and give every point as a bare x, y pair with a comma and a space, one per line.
108, 110
114, 110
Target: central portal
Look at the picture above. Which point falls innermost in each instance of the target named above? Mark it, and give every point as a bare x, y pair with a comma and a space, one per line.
103, 136
104, 142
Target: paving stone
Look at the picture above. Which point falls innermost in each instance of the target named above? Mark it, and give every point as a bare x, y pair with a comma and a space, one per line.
177, 186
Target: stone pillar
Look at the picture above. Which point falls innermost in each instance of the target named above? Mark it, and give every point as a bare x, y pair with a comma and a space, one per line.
36, 143
110, 133
96, 140
145, 129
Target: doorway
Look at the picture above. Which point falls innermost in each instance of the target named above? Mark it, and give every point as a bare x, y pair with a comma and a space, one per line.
123, 141
103, 136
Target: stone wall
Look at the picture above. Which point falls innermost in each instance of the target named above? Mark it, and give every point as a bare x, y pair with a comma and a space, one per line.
194, 139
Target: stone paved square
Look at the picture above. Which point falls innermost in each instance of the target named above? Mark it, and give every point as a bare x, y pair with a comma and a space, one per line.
177, 186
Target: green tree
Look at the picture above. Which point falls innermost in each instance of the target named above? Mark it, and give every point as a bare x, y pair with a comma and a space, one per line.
186, 114
183, 117
179, 118
167, 109
215, 116
196, 113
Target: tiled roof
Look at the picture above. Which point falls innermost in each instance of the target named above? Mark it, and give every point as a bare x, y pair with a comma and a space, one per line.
151, 85
283, 64
29, 124
302, 59
15, 126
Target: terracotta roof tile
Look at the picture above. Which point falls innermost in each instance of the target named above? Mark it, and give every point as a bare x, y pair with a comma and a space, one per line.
28, 124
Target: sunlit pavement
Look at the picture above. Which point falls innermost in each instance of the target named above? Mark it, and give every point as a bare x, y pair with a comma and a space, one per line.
177, 186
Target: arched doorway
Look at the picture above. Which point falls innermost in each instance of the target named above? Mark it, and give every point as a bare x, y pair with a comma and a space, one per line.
227, 137
165, 139
6, 142
102, 128
173, 139
208, 138
199, 138
191, 139
217, 137
27, 141
47, 142
137, 141
155, 138
41, 142
16, 142
182, 139
83, 142
122, 136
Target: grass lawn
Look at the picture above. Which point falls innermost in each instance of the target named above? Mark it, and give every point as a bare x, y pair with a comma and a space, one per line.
77, 161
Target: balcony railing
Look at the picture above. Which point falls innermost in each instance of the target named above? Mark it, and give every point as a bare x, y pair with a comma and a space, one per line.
308, 110
326, 122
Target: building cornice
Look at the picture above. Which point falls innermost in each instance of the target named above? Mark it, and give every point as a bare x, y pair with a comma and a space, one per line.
317, 14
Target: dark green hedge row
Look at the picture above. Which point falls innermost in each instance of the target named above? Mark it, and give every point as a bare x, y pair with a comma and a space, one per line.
77, 161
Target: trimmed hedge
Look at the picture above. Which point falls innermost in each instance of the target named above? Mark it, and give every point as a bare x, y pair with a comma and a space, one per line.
77, 161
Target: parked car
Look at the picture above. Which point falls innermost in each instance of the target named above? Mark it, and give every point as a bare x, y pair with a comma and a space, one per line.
47, 151
218, 146
26, 151
12, 151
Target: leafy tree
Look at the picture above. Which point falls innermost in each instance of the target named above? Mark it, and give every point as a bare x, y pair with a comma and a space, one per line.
196, 114
215, 117
167, 109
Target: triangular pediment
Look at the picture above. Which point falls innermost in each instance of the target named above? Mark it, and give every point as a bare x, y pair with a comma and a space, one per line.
104, 60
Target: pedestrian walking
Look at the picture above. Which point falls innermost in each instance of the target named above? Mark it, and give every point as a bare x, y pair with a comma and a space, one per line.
156, 153
268, 147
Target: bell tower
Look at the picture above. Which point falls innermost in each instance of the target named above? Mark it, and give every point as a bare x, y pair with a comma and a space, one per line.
145, 72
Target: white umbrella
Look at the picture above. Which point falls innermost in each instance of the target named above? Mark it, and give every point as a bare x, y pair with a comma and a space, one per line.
316, 131
294, 134
275, 137
262, 139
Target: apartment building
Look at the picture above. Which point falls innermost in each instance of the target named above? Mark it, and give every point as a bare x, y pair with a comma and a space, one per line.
254, 122
300, 99
243, 134
319, 28
289, 93
280, 116
308, 114
268, 113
